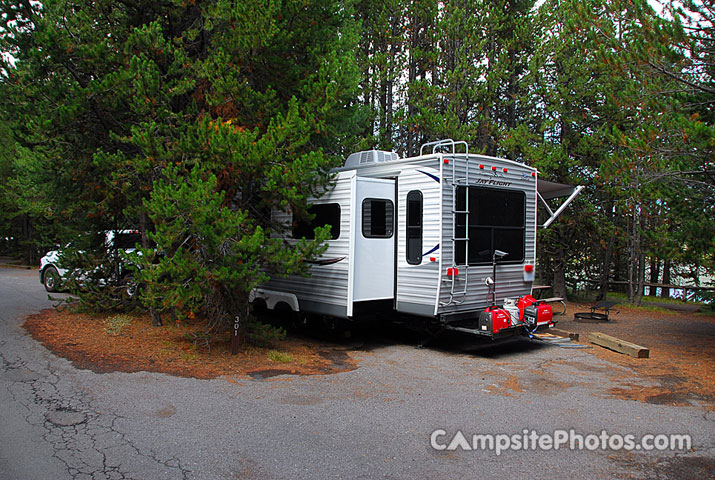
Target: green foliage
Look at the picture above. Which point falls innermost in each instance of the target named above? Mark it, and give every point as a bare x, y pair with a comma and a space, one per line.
210, 254
116, 324
280, 357
124, 105
609, 95
263, 334
193, 123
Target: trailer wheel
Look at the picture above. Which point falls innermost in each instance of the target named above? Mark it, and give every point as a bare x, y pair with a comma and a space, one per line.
51, 279
129, 288
259, 306
281, 315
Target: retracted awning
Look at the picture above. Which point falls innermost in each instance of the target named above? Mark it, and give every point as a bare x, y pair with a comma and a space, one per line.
549, 190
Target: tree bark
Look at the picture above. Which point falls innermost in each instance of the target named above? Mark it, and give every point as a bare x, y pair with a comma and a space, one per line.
559, 268
29, 254
654, 275
632, 256
640, 278
605, 270
640, 259
665, 293
559, 285
155, 317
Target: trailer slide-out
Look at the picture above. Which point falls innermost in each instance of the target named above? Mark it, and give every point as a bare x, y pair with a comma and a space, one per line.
446, 236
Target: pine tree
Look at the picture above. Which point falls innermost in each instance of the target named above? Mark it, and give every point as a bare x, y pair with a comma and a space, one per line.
252, 103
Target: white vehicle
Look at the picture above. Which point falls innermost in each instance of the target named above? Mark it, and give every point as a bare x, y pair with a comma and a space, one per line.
447, 236
52, 275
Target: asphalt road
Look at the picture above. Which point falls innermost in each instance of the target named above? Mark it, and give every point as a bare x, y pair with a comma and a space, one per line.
58, 422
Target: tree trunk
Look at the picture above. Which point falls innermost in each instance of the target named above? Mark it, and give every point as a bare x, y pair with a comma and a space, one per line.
559, 285
632, 256
640, 278
29, 255
665, 293
605, 270
654, 275
155, 317
559, 268
640, 257
412, 77
143, 227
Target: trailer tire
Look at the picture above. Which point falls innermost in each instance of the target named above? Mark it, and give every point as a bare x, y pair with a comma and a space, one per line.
259, 306
51, 279
129, 287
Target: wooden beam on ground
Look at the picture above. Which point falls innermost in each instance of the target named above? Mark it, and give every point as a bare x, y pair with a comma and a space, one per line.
618, 345
563, 333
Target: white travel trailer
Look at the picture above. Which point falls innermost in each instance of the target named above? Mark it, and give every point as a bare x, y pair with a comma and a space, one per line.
443, 236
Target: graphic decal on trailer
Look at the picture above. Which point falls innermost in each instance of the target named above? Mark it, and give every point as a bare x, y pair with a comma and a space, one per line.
434, 249
433, 177
326, 261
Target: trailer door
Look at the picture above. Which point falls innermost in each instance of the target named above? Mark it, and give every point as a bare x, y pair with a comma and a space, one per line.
374, 275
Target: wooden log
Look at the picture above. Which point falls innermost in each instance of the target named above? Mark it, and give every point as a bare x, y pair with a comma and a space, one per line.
618, 345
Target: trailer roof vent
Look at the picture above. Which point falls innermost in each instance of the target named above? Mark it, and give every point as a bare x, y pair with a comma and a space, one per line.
370, 156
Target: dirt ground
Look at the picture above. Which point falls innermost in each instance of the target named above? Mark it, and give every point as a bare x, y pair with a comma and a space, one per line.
682, 351
97, 343
681, 366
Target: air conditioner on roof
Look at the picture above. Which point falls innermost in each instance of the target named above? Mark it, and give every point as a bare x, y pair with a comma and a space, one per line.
370, 156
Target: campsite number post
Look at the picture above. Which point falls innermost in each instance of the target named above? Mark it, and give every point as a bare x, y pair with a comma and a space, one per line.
234, 338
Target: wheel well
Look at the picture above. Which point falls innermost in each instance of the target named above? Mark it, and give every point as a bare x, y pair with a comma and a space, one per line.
259, 304
282, 307
275, 300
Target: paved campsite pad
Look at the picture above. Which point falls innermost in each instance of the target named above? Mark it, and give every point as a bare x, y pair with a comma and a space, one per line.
373, 421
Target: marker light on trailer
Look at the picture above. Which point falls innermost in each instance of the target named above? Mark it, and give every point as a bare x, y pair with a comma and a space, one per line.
529, 272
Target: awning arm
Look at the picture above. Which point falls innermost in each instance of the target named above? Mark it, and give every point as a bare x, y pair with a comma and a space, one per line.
554, 215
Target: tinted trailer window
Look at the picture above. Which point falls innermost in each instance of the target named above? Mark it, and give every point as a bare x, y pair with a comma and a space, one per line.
322, 214
377, 218
496, 221
414, 227
126, 241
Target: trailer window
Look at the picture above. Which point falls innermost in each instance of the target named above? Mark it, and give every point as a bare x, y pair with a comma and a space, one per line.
377, 218
414, 227
127, 240
322, 215
497, 220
